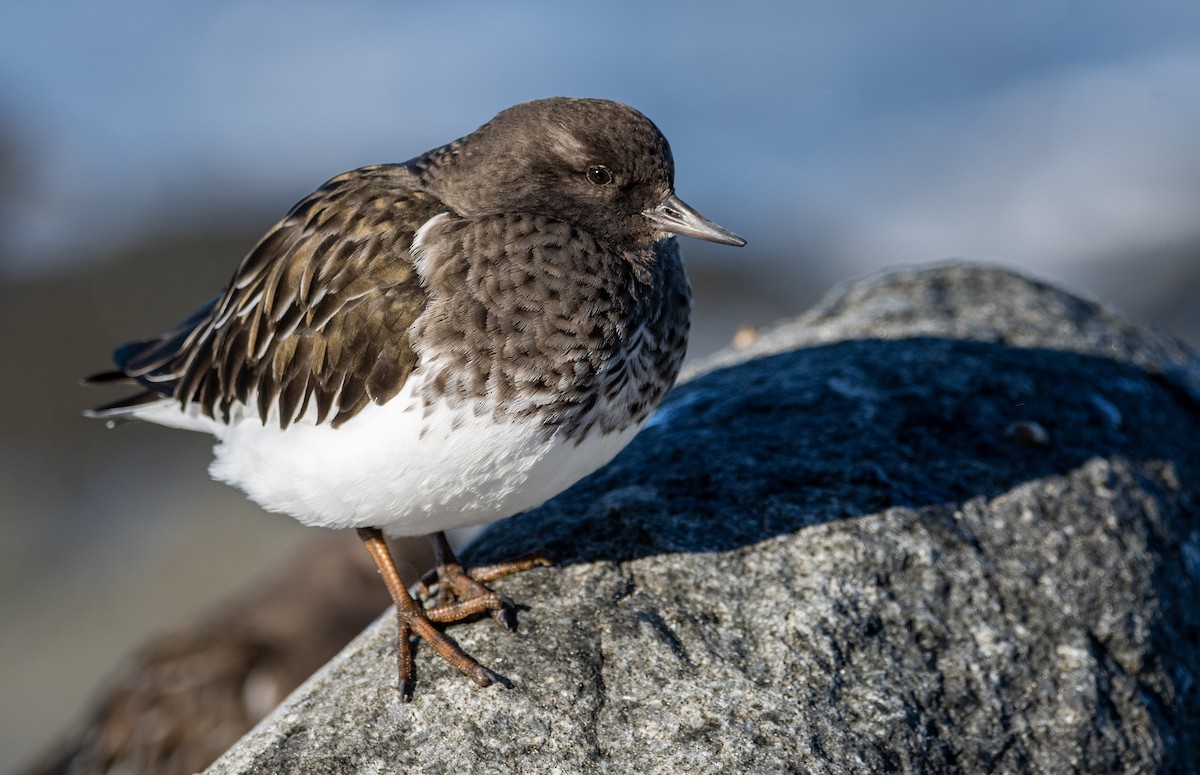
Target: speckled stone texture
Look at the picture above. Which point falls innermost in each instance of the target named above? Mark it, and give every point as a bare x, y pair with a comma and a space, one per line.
948, 521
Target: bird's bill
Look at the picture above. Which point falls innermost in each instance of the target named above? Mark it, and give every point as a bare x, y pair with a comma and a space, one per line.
677, 217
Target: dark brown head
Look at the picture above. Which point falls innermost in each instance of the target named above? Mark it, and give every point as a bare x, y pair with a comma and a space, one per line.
598, 164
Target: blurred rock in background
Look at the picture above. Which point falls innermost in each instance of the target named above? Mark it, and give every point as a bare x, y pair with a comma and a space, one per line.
191, 693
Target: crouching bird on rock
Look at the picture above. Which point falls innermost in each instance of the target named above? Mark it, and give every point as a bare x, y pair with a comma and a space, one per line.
444, 342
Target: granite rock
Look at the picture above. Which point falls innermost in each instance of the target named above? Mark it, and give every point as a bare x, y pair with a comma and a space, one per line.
948, 521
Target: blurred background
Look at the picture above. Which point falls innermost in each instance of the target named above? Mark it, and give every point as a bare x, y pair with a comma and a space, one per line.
144, 147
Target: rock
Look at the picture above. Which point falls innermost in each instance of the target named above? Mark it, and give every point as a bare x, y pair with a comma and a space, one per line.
829, 553
186, 696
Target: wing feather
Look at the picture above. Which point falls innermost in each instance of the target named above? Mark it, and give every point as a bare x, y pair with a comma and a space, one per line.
316, 316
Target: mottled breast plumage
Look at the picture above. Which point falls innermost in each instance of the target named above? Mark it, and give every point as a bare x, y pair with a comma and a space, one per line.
540, 318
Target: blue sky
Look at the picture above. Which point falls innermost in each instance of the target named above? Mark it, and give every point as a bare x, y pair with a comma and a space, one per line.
1039, 133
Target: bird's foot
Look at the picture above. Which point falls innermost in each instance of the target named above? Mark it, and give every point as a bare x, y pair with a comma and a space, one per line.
412, 620
416, 622
463, 592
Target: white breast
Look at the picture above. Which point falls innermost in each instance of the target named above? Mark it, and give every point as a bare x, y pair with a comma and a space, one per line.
403, 468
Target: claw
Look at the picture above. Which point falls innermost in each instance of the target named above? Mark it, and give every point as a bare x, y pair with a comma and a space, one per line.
492, 677
505, 617
405, 688
483, 677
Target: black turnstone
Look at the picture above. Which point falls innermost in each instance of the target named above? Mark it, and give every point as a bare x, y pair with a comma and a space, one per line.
444, 342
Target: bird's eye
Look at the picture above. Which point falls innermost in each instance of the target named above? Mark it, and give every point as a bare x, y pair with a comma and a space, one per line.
599, 176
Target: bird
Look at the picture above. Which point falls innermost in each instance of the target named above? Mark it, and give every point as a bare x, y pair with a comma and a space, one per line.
443, 342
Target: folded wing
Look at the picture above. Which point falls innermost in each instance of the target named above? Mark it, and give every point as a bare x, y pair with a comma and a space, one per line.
315, 319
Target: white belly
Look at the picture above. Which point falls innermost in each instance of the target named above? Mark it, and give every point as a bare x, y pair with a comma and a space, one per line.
391, 467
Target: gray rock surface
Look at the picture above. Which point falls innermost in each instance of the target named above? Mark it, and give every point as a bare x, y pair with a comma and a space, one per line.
948, 521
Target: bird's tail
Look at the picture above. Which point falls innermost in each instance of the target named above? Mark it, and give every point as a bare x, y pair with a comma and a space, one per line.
149, 364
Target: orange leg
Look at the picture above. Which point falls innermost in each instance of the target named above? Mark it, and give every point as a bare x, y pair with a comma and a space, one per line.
411, 620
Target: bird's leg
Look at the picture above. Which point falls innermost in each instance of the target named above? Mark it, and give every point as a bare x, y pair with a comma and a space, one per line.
462, 592
411, 620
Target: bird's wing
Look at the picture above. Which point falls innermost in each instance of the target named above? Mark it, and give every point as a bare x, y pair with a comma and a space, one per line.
316, 315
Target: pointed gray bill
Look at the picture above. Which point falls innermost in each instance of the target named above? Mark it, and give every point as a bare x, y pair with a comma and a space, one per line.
677, 217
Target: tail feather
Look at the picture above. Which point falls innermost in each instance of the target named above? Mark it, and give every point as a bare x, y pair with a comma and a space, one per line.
112, 377
149, 364
123, 406
154, 358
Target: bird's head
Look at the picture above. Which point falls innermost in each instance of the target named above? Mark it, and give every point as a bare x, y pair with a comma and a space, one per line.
598, 164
